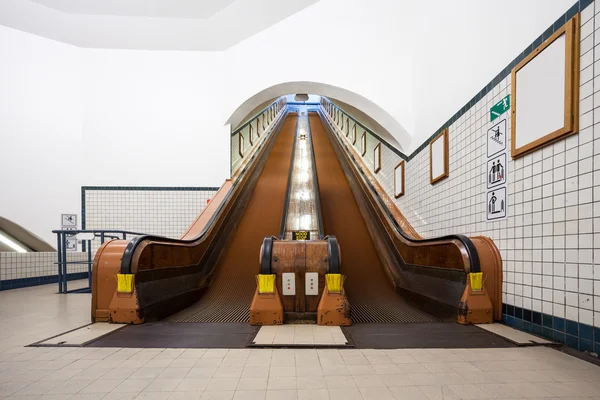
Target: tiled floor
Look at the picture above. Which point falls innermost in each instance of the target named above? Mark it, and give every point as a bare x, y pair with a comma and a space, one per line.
301, 334
113, 373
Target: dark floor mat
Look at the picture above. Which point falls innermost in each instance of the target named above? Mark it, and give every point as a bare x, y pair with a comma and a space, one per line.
169, 335
430, 335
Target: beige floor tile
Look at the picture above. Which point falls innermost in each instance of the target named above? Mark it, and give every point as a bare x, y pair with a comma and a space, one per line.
205, 362
368, 381
282, 395
249, 395
88, 396
133, 385
334, 370
376, 393
102, 385
201, 372
174, 372
313, 394
311, 382
282, 371
222, 384
252, 384
281, 383
342, 381
255, 372
147, 373
163, 385
309, 371
394, 380
438, 392
190, 353
217, 395
153, 396
39, 388
408, 393
362, 370
194, 395
215, 353
350, 393
423, 379
71, 386
192, 384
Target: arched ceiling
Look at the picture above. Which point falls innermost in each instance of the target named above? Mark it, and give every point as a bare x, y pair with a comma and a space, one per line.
376, 118
203, 25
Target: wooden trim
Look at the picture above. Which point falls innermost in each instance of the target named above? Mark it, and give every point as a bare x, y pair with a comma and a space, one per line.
257, 128
377, 156
263, 121
250, 134
241, 144
401, 193
348, 126
353, 134
363, 143
444, 135
571, 107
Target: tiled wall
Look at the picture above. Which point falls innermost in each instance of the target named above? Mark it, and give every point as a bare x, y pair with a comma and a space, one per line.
153, 210
270, 115
550, 244
29, 269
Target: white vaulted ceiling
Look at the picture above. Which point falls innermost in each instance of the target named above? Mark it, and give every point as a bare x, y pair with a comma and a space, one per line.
202, 25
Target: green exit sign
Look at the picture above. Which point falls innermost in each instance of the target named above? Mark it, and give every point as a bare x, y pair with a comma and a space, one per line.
500, 108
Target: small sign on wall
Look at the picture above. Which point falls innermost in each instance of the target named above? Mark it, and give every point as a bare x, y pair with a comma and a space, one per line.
69, 222
496, 166
500, 108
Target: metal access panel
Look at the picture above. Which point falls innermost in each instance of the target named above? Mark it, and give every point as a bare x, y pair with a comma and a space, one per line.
311, 282
288, 283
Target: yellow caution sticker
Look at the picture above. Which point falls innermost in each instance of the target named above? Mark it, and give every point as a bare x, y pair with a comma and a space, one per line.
476, 280
334, 283
125, 283
266, 283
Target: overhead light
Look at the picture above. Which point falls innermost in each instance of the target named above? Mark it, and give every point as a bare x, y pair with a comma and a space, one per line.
12, 244
301, 97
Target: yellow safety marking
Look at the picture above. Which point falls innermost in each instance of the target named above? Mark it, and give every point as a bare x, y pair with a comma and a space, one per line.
334, 283
266, 283
476, 280
125, 283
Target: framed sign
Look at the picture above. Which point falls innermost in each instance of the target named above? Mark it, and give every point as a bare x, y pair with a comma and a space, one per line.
342, 127
438, 157
257, 128
263, 122
399, 180
354, 134
377, 158
347, 126
250, 134
545, 92
241, 144
300, 235
363, 144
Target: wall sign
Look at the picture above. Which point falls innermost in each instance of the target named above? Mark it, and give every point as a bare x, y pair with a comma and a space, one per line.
500, 108
496, 171
69, 222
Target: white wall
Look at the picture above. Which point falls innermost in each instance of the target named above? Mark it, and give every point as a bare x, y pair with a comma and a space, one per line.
362, 47
40, 131
463, 46
155, 116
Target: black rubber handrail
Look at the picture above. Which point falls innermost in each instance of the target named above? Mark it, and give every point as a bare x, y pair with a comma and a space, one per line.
474, 263
135, 242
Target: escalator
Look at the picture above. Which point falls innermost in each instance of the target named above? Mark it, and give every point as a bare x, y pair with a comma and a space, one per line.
209, 276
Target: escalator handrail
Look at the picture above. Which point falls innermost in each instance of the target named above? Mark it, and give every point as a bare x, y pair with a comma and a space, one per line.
136, 241
474, 262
